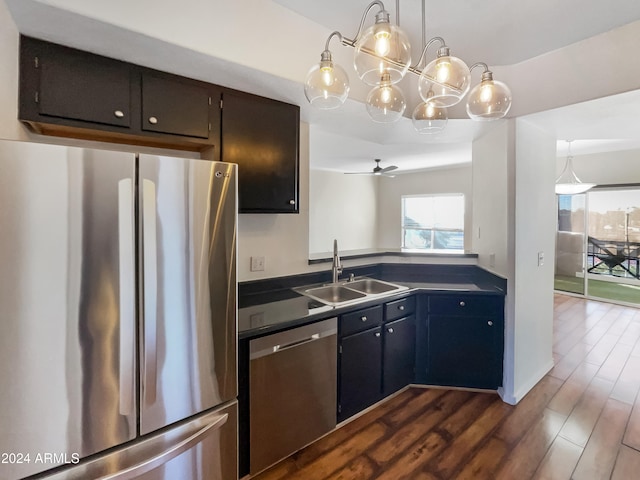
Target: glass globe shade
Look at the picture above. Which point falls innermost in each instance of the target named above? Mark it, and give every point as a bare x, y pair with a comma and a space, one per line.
429, 118
382, 48
386, 103
448, 78
326, 85
489, 100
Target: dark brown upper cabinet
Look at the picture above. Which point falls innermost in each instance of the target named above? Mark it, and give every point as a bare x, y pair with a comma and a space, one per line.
69, 92
262, 136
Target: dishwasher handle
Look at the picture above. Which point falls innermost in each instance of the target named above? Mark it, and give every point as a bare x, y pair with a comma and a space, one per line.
296, 337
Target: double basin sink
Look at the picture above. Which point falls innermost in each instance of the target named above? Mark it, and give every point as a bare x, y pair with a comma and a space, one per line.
336, 294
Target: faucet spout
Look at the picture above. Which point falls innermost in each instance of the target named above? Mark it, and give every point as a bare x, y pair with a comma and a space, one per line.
336, 266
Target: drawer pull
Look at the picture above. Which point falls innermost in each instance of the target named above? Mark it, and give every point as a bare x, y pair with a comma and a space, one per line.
490, 323
119, 113
390, 330
153, 120
462, 304
363, 318
377, 334
292, 202
401, 307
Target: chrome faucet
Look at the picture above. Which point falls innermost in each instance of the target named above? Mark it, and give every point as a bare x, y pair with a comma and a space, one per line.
336, 266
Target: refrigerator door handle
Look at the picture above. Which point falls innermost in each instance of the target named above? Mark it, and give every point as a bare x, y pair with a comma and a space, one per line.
127, 296
150, 282
149, 464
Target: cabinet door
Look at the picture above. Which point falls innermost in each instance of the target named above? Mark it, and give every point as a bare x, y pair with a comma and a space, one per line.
360, 372
75, 85
261, 136
176, 106
464, 351
398, 356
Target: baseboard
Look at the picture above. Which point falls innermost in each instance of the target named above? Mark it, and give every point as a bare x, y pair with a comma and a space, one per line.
514, 398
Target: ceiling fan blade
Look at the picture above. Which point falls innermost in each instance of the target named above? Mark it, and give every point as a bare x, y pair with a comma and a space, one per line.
388, 169
358, 173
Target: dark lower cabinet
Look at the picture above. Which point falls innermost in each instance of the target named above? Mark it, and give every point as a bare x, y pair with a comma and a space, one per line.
360, 366
378, 361
465, 341
398, 355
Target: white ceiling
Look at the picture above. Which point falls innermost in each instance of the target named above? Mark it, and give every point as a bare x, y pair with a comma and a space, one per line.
498, 32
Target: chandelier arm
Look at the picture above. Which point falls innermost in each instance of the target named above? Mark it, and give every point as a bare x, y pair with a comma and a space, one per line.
480, 64
333, 34
364, 16
424, 52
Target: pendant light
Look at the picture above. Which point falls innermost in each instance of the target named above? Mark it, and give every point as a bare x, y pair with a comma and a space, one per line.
568, 182
327, 84
490, 99
447, 77
428, 117
382, 48
385, 103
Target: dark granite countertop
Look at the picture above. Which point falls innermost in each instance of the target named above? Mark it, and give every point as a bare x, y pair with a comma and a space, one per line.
273, 305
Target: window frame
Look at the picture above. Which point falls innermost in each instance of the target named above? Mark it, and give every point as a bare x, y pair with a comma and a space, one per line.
433, 228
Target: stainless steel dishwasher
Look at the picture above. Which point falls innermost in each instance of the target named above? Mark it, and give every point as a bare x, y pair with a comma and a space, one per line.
292, 391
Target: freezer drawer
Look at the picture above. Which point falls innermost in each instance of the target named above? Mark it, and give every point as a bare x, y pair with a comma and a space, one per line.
203, 448
292, 391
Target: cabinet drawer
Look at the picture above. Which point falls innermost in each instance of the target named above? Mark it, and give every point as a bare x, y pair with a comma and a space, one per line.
399, 308
361, 320
465, 305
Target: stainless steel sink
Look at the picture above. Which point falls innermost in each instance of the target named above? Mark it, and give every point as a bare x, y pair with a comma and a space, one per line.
371, 286
334, 294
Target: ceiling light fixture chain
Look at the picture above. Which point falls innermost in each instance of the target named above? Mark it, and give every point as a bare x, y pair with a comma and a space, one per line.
383, 57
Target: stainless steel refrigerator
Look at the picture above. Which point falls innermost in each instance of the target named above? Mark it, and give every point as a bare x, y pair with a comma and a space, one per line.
117, 315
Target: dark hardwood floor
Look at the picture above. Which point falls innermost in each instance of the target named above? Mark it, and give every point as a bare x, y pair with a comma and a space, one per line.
582, 420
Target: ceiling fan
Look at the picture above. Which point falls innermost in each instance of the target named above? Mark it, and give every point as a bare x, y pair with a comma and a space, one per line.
377, 170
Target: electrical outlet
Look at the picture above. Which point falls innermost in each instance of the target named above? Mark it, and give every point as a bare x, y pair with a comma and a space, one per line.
540, 259
492, 259
257, 264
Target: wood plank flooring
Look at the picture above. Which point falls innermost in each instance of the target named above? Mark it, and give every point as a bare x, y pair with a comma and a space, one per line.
582, 420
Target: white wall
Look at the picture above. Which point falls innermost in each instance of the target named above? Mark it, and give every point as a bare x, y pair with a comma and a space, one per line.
605, 168
535, 229
283, 239
342, 207
493, 199
514, 208
390, 191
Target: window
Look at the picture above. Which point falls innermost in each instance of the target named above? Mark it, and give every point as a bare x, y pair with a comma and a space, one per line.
433, 222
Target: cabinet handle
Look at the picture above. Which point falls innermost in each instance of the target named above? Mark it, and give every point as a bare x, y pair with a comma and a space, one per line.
119, 113
490, 323
377, 334
292, 202
153, 120
363, 318
401, 307
462, 304
390, 330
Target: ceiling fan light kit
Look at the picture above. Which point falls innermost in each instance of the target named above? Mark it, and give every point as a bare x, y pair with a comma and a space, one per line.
383, 57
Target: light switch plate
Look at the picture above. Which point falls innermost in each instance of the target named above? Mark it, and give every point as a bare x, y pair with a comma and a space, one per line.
540, 259
257, 264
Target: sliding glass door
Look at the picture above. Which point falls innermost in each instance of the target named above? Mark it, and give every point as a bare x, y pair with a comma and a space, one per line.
598, 244
571, 244
613, 249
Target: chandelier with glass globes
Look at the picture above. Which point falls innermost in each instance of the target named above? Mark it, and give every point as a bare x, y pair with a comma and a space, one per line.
382, 57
